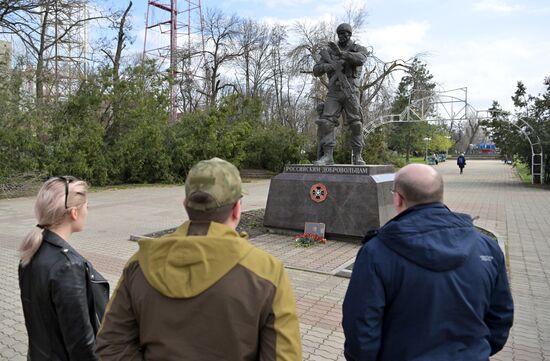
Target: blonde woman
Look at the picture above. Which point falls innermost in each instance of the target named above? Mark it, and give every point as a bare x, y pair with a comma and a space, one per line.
63, 296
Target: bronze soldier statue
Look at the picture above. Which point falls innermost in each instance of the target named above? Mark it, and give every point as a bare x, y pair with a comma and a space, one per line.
342, 63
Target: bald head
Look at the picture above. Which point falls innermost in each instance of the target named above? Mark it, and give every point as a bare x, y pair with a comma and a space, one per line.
418, 184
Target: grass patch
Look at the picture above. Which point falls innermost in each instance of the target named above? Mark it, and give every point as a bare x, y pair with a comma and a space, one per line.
416, 160
400, 161
523, 171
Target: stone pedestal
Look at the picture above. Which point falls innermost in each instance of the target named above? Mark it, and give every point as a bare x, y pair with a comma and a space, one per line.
351, 200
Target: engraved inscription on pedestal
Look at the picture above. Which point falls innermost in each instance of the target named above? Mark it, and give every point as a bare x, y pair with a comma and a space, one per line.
339, 169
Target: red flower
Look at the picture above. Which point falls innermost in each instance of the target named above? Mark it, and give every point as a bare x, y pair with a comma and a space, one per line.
308, 239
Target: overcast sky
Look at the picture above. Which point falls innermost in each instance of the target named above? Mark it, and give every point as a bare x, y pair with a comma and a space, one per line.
484, 45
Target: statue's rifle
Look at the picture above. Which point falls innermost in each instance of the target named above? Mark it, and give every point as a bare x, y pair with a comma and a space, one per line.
338, 72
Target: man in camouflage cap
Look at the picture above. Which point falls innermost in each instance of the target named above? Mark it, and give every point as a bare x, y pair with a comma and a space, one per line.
342, 62
203, 292
213, 183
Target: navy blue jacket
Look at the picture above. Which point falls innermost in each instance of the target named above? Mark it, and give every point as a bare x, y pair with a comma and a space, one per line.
428, 286
461, 161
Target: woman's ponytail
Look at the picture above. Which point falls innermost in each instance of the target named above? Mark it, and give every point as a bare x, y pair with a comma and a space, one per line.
31, 243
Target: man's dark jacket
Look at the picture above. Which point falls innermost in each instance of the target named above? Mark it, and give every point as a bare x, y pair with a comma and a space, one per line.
64, 298
428, 286
461, 161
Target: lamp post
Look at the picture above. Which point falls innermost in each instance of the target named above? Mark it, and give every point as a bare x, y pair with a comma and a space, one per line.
427, 140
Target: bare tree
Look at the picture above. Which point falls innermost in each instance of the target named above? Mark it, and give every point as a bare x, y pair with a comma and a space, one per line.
376, 77
254, 65
10, 8
111, 108
221, 32
121, 43
278, 61
43, 27
472, 131
356, 15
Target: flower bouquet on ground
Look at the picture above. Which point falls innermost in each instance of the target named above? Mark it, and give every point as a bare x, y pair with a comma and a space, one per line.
308, 239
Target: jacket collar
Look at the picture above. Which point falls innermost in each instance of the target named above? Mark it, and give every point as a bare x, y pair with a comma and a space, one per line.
419, 207
54, 239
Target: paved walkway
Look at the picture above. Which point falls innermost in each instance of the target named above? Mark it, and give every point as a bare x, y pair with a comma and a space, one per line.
518, 214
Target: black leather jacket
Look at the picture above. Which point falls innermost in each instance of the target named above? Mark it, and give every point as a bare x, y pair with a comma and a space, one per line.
64, 298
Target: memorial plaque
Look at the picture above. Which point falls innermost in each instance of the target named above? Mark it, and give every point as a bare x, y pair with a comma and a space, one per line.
315, 228
350, 200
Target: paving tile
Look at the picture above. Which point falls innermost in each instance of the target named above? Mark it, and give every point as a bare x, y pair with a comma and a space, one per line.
516, 213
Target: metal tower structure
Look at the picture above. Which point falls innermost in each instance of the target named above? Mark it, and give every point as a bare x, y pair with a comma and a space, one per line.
70, 55
174, 36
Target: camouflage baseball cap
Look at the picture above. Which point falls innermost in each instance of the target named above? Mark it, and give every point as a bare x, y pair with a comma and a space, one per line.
216, 177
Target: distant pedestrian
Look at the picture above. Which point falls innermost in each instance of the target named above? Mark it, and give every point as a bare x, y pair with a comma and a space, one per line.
428, 286
203, 292
461, 162
63, 296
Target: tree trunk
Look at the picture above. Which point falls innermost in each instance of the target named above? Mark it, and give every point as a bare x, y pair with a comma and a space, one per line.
39, 72
247, 70
408, 147
120, 44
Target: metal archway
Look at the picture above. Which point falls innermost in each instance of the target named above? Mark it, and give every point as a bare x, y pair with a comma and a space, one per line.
452, 105
444, 106
537, 155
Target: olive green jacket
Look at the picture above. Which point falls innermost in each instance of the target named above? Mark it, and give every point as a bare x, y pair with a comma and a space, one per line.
201, 293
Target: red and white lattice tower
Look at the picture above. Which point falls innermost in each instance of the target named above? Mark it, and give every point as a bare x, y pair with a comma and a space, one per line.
174, 35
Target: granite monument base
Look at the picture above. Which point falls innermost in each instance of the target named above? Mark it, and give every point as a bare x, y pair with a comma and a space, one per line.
349, 199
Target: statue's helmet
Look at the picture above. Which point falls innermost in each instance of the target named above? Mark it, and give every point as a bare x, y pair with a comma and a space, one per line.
344, 27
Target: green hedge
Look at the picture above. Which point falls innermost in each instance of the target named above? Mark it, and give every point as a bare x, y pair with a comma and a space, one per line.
114, 133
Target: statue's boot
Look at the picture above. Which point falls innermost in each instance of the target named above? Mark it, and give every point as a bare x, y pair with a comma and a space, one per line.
327, 158
357, 143
357, 158
326, 141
